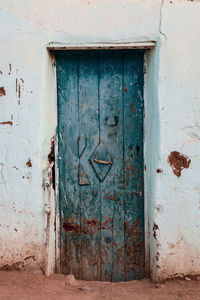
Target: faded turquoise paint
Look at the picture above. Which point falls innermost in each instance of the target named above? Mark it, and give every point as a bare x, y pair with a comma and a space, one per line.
100, 160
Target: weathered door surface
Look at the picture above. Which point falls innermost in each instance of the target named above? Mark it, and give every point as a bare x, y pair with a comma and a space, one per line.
100, 160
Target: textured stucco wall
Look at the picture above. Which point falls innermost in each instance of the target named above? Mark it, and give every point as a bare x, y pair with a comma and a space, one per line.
176, 199
172, 96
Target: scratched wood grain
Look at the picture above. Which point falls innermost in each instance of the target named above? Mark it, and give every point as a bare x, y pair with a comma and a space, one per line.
70, 207
89, 194
133, 166
111, 132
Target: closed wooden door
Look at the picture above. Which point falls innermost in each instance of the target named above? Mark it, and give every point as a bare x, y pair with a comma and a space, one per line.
100, 160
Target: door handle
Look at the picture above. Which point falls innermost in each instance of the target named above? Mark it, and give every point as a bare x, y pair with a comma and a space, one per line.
102, 162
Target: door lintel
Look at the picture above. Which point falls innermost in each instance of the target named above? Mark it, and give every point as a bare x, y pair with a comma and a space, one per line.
102, 46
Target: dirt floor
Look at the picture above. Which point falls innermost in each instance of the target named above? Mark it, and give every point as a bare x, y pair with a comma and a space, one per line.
33, 285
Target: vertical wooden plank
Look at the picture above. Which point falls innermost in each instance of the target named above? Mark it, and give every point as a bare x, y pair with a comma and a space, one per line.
68, 162
111, 134
133, 165
89, 194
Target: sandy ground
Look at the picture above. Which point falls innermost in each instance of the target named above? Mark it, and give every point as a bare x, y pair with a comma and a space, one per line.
33, 285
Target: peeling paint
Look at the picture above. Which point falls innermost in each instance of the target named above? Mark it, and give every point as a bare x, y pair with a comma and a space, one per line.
10, 69
2, 91
178, 162
19, 90
6, 123
159, 209
132, 108
125, 89
86, 226
29, 163
18, 266
51, 162
51, 156
155, 228
157, 256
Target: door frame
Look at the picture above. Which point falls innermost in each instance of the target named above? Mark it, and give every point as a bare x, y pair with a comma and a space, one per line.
52, 250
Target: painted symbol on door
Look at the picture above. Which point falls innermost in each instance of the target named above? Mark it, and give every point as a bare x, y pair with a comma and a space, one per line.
101, 161
82, 175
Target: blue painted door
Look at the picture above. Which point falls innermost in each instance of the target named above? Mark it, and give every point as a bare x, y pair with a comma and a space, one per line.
100, 160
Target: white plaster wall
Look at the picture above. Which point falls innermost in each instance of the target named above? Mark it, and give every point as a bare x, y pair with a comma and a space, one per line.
172, 96
177, 200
